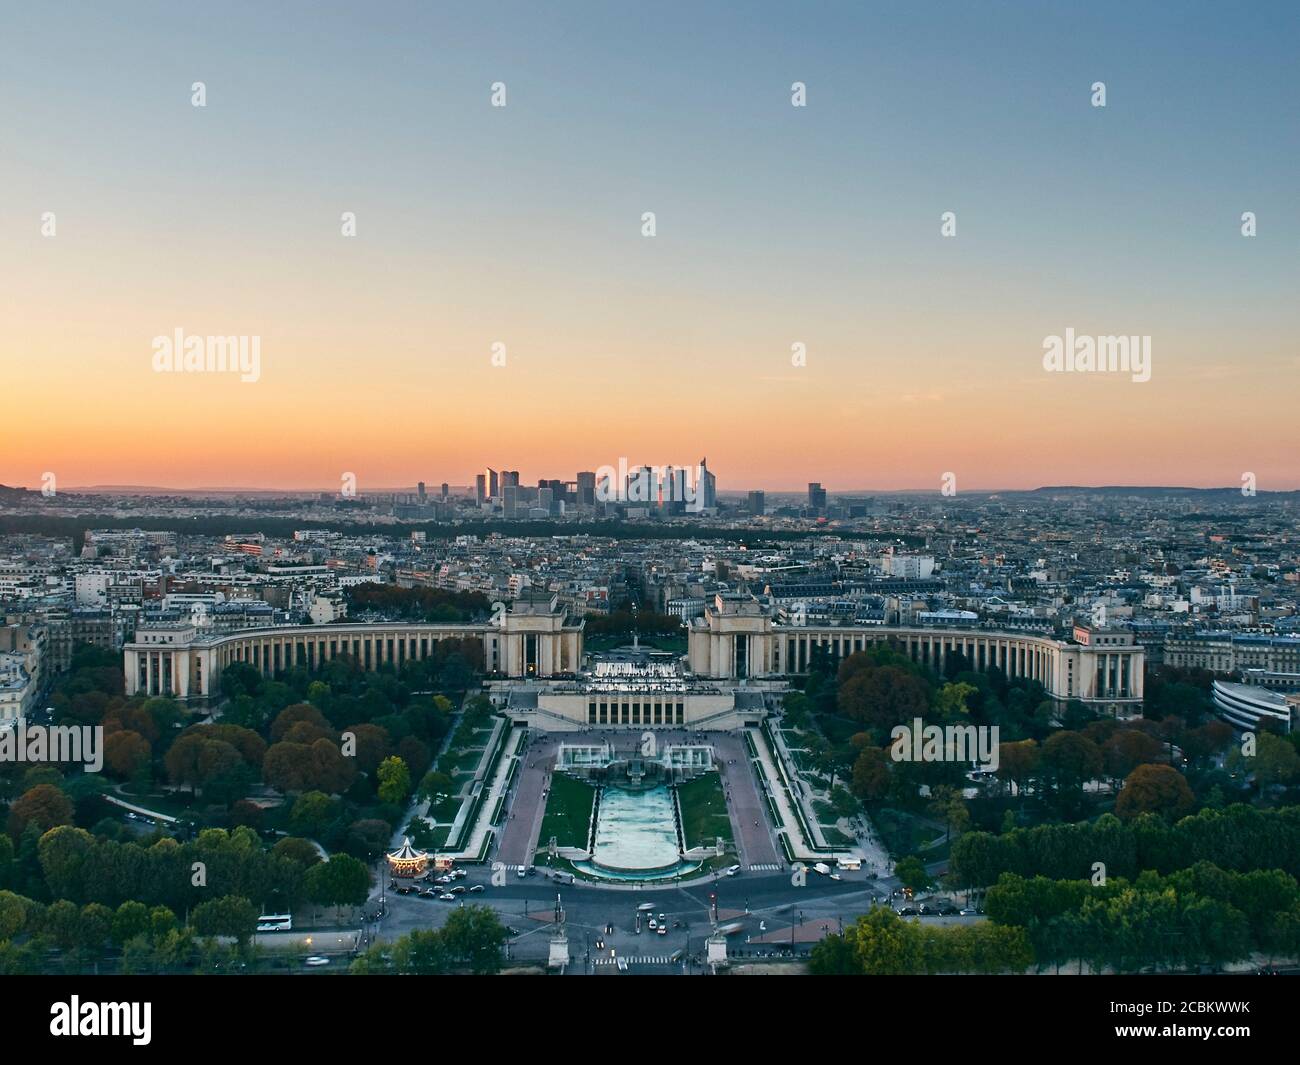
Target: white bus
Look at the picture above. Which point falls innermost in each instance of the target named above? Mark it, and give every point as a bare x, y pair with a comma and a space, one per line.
275, 922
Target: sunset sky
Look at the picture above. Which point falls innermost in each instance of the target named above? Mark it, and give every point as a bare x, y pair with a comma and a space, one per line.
776, 225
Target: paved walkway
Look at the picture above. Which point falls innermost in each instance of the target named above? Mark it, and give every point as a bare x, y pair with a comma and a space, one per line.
749, 819
523, 822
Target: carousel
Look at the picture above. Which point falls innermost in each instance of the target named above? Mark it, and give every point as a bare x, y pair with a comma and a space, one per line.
407, 861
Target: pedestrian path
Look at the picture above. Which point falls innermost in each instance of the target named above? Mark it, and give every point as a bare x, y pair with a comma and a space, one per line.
767, 868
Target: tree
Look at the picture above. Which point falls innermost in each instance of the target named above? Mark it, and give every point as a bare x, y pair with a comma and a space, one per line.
1276, 761
394, 781
301, 851
63, 852
1129, 748
834, 956
341, 881
292, 715
1158, 789
911, 873
1018, 763
130, 920
312, 811
230, 915
44, 806
125, 752
474, 936
1071, 759
884, 696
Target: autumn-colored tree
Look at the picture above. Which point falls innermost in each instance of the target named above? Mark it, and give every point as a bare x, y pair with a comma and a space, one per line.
871, 774
125, 751
1156, 789
1018, 762
44, 806
1127, 749
883, 697
292, 715
371, 745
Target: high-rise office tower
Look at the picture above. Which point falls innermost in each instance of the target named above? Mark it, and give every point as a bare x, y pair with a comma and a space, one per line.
706, 486
492, 483
757, 503
642, 486
586, 489
480, 490
816, 497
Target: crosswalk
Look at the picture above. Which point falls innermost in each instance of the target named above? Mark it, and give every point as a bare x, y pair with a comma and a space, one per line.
767, 868
636, 959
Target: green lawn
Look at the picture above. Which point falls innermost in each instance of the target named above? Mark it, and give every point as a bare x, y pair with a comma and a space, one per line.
704, 811
568, 812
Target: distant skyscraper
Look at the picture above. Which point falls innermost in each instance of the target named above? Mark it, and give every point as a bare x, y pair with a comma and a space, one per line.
706, 486
586, 489
492, 483
510, 477
480, 490
643, 486
672, 490
757, 503
816, 497
419, 491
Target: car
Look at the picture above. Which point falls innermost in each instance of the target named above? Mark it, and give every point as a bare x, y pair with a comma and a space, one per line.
442, 880
663, 931
522, 873
405, 889
447, 896
457, 873
646, 907
428, 893
459, 889
968, 911
652, 924
906, 911
317, 960
476, 887
733, 870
